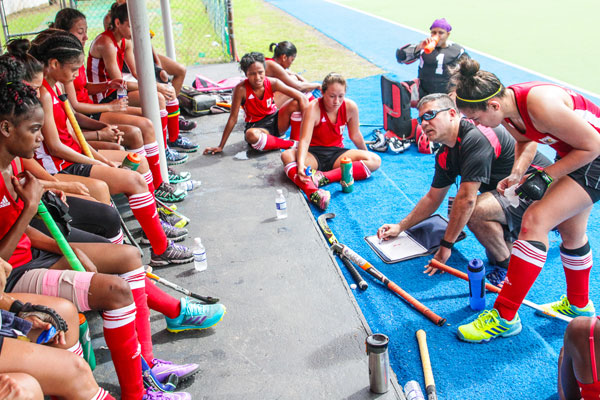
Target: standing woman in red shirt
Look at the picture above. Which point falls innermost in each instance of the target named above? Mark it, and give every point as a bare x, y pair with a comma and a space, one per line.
563, 193
265, 124
321, 143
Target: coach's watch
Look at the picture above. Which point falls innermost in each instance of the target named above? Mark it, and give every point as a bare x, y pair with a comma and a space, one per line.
446, 244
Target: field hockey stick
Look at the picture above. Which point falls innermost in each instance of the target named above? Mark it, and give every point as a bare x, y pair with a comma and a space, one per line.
205, 299
58, 236
69, 111
172, 210
371, 270
426, 362
322, 221
459, 274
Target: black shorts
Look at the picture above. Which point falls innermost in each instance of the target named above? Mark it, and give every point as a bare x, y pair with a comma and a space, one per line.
39, 259
326, 156
269, 123
588, 177
513, 216
95, 116
109, 98
78, 169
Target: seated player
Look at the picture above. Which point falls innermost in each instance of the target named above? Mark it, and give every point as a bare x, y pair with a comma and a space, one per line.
578, 361
482, 157
321, 143
61, 52
265, 123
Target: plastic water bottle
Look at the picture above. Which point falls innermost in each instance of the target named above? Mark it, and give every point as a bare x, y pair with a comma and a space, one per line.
476, 272
199, 252
281, 205
122, 92
189, 185
412, 391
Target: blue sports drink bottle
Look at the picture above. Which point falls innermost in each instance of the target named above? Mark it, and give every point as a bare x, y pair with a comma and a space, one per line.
476, 272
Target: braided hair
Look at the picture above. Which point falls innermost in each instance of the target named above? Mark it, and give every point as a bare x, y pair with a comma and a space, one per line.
56, 44
18, 49
17, 99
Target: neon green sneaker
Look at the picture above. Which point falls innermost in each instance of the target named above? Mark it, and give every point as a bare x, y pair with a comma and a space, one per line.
564, 307
487, 326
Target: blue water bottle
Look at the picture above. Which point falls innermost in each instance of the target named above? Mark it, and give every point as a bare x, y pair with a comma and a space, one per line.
476, 272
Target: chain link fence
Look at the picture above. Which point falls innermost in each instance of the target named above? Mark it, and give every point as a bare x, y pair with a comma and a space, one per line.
202, 29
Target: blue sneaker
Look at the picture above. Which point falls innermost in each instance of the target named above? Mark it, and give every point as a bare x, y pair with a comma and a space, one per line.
489, 325
496, 276
184, 145
195, 316
174, 158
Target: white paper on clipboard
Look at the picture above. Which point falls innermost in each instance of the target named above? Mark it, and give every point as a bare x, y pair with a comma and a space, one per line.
401, 247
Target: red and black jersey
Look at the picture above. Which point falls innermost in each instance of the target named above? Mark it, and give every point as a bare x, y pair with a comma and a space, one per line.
51, 163
80, 83
96, 70
255, 108
481, 154
587, 110
11, 210
327, 133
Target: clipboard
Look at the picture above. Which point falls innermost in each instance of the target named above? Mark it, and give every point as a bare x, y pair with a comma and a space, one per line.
420, 240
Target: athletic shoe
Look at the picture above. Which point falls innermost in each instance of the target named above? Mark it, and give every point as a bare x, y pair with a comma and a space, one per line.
174, 158
320, 198
381, 142
175, 254
496, 276
168, 193
175, 178
184, 145
181, 223
487, 326
185, 125
170, 219
319, 179
195, 316
164, 369
397, 145
152, 394
173, 233
564, 307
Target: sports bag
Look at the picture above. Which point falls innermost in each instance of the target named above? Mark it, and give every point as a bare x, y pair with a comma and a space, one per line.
196, 103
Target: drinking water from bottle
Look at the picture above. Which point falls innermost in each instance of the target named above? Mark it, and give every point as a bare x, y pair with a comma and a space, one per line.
281, 205
199, 252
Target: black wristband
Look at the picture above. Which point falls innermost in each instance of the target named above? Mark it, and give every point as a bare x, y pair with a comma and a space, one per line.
446, 244
16, 307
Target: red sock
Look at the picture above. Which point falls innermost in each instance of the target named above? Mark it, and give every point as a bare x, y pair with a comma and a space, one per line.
291, 170
269, 142
163, 122
173, 119
526, 262
149, 181
160, 301
359, 172
121, 339
154, 162
295, 122
137, 283
144, 209
577, 264
102, 394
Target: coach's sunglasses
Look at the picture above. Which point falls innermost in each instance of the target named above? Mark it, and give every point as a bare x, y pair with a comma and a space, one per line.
429, 115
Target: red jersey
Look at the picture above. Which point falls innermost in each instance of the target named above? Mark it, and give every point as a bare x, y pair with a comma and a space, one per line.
80, 90
587, 110
96, 70
327, 133
11, 210
51, 163
255, 108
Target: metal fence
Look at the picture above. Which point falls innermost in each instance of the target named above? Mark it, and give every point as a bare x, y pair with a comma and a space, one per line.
202, 29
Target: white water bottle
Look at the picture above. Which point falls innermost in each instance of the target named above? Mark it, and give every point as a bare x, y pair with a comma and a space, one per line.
281, 205
122, 92
199, 252
189, 185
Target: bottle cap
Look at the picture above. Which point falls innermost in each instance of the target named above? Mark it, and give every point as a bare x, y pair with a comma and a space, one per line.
198, 240
279, 191
81, 318
475, 265
377, 343
345, 160
134, 158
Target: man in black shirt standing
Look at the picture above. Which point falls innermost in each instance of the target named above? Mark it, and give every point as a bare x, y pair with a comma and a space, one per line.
482, 157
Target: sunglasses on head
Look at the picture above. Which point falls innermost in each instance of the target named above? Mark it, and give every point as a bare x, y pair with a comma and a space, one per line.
429, 115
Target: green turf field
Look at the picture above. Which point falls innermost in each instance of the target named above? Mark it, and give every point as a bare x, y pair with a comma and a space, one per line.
551, 37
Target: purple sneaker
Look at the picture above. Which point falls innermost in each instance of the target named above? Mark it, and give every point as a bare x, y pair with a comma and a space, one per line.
163, 369
151, 394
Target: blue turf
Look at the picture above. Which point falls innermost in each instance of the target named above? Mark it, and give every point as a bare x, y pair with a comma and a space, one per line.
521, 367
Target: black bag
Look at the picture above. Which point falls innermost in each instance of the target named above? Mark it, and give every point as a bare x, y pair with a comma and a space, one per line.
59, 212
196, 103
397, 99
